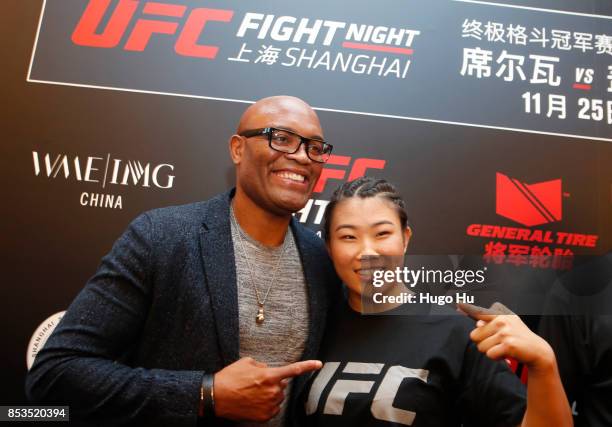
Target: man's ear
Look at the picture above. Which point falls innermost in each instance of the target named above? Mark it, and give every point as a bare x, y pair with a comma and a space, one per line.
236, 148
407, 236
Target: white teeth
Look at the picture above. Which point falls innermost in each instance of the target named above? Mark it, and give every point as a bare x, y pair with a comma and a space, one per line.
292, 176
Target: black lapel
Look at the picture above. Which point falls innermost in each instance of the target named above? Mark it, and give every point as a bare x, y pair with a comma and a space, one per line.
220, 271
318, 278
315, 278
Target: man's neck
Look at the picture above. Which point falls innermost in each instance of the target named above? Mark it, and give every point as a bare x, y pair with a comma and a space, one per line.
267, 228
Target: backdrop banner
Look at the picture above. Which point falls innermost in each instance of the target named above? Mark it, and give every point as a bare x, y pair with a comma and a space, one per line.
493, 119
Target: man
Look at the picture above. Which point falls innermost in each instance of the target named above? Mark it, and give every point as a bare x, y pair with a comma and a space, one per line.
194, 302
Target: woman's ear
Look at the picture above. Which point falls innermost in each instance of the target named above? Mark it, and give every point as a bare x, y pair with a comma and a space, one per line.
407, 236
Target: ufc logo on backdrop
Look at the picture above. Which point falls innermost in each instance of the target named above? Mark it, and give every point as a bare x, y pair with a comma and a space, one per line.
357, 170
87, 32
382, 400
350, 172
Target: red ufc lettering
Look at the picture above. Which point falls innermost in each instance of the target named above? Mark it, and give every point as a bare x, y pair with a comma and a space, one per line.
359, 168
331, 173
186, 45
144, 28
85, 32
362, 165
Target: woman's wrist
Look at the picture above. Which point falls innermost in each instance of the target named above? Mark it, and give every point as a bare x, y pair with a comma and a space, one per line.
545, 363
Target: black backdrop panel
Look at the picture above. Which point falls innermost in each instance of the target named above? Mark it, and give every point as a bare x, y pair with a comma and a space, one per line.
66, 148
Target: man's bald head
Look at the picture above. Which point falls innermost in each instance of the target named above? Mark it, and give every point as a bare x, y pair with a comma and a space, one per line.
271, 180
273, 109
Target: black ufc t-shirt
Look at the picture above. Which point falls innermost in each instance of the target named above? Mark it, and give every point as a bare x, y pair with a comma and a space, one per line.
578, 325
408, 370
583, 346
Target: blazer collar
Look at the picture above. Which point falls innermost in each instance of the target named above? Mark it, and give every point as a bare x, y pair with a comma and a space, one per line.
315, 278
220, 270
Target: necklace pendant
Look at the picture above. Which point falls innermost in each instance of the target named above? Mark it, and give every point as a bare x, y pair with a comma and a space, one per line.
260, 316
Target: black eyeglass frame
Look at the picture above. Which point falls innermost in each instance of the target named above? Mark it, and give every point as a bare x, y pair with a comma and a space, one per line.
303, 140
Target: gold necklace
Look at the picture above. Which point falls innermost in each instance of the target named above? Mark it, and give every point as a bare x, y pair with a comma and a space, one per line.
260, 317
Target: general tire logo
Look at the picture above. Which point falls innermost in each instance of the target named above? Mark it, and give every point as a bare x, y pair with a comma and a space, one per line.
528, 204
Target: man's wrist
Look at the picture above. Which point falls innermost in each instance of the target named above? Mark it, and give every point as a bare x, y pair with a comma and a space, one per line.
206, 407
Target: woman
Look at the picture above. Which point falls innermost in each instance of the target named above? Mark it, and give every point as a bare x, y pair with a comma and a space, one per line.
419, 370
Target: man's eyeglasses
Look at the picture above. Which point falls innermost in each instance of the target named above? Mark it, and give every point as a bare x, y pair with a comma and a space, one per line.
289, 142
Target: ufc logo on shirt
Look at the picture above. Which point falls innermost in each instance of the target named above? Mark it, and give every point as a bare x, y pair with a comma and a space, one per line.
382, 402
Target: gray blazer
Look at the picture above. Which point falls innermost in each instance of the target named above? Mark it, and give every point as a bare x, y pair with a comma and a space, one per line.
161, 310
